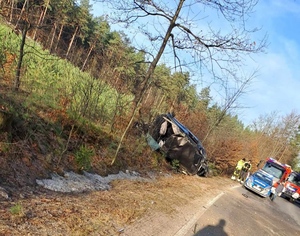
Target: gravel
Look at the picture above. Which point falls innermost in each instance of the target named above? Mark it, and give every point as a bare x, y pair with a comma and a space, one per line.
73, 182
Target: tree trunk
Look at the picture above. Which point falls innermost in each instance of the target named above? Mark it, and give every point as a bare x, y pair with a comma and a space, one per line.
59, 35
148, 94
87, 57
149, 74
160, 102
52, 38
21, 55
41, 19
71, 42
11, 10
21, 14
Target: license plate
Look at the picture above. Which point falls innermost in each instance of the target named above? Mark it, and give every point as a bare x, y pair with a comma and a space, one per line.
256, 187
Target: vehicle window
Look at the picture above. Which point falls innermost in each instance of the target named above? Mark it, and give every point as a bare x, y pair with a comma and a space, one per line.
295, 179
273, 170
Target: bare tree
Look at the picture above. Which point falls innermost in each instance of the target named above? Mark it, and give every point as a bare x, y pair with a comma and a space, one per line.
230, 103
210, 37
276, 135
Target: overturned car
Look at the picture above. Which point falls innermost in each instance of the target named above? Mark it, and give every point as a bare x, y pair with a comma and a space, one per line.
167, 135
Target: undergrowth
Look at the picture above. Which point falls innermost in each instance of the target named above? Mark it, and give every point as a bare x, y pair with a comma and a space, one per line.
62, 118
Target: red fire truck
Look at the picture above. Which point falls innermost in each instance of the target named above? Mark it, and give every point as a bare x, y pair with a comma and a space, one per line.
279, 171
292, 187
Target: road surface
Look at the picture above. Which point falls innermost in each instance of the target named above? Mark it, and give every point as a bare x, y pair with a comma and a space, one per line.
239, 212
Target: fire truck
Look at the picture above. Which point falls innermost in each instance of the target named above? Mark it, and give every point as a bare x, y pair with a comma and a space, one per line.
292, 187
279, 171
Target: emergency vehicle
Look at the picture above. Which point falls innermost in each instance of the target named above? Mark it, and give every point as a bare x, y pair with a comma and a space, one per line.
292, 187
260, 182
279, 171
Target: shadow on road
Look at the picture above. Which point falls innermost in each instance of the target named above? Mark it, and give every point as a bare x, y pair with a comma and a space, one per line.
213, 229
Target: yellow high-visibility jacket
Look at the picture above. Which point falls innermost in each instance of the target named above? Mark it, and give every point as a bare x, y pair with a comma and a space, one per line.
240, 164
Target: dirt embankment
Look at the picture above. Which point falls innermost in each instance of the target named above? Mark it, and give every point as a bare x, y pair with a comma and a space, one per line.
158, 206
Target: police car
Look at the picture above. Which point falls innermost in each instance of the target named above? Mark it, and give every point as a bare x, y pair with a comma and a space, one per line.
260, 182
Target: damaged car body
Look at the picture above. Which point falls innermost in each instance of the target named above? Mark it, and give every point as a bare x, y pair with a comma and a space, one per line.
167, 135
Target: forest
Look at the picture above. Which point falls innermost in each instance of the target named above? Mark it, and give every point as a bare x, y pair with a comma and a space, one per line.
73, 89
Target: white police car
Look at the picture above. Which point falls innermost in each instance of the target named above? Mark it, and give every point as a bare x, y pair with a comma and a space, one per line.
260, 182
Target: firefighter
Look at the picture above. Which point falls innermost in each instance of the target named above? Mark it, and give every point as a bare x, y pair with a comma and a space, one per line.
245, 171
238, 168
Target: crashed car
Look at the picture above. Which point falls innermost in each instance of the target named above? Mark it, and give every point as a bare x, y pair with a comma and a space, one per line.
260, 182
167, 135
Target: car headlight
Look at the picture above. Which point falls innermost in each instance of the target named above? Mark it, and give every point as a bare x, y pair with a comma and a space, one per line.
295, 195
249, 181
266, 190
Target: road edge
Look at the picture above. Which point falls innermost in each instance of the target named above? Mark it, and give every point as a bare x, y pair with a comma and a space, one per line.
185, 229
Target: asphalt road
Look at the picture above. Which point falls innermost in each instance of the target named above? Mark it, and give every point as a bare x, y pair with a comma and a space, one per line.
239, 212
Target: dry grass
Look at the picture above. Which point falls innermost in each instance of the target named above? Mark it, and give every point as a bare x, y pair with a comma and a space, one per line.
102, 212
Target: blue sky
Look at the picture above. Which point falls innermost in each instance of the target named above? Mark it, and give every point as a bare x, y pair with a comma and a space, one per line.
276, 89
276, 86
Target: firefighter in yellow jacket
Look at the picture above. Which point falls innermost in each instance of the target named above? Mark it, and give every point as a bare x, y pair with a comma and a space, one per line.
245, 171
238, 168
